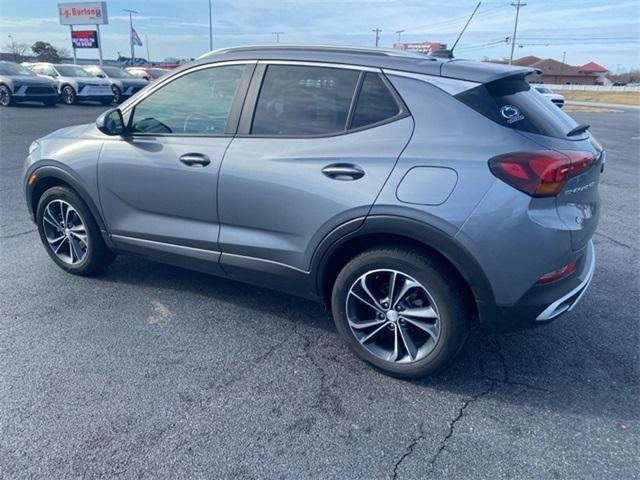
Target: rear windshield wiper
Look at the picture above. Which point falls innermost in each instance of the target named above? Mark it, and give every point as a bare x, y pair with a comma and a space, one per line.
578, 130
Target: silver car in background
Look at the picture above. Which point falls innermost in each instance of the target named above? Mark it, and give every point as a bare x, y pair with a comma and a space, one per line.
19, 84
555, 98
74, 83
123, 84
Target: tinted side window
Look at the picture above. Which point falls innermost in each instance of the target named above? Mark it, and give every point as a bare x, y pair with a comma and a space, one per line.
375, 102
300, 100
197, 102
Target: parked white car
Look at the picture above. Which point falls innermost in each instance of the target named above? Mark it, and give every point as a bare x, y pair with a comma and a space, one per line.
551, 95
74, 83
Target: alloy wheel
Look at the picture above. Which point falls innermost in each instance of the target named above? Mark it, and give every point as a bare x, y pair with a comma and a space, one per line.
393, 316
5, 95
65, 232
68, 95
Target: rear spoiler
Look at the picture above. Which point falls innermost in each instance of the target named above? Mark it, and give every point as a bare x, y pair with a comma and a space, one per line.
484, 72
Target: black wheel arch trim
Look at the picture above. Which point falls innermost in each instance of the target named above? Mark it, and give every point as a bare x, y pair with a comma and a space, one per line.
58, 171
427, 235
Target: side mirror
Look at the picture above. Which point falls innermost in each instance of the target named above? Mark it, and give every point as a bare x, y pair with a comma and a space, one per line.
111, 122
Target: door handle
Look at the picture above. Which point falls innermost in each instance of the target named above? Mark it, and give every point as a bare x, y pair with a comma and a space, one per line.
195, 160
343, 171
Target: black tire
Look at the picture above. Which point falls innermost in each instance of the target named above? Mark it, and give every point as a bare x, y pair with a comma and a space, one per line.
68, 95
443, 286
117, 94
50, 103
6, 99
96, 254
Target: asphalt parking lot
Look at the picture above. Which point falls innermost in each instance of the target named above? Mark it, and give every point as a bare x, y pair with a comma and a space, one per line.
150, 371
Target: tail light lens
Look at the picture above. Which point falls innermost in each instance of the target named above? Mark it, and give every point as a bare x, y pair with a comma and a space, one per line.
540, 173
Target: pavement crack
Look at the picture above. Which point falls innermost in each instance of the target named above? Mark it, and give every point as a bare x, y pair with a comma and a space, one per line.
461, 413
506, 377
327, 400
19, 234
408, 451
617, 242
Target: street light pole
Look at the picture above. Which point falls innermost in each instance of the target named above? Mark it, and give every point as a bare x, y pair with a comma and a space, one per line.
130, 32
210, 26
277, 34
13, 49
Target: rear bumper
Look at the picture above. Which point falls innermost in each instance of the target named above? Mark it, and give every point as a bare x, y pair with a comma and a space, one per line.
542, 303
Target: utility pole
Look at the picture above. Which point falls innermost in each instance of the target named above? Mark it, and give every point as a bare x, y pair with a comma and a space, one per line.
399, 32
564, 55
130, 32
210, 26
377, 32
146, 41
518, 6
277, 34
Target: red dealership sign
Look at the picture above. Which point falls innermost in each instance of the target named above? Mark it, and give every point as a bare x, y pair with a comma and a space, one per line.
84, 39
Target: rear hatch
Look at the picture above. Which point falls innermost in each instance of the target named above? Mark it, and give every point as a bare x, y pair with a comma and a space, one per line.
511, 102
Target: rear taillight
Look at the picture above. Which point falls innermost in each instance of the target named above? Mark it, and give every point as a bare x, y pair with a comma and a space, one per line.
540, 173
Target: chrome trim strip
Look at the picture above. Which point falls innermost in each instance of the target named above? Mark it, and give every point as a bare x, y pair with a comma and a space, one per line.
204, 254
162, 81
452, 86
344, 66
552, 310
264, 260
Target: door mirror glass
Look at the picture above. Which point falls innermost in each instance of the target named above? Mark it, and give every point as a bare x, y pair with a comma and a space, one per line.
111, 122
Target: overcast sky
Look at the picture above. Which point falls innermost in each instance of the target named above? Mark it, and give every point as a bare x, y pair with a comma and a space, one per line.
607, 32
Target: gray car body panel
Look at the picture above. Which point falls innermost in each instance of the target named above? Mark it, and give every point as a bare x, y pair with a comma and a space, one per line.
264, 212
18, 84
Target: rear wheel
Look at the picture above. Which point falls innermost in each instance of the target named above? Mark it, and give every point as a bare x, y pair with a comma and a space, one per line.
70, 234
5, 96
401, 311
69, 95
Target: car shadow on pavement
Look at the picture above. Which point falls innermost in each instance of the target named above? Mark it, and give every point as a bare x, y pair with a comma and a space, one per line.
553, 368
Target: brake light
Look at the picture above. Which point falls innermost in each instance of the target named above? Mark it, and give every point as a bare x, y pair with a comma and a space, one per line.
540, 173
558, 274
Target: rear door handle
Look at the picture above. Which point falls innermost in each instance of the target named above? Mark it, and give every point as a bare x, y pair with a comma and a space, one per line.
343, 171
195, 160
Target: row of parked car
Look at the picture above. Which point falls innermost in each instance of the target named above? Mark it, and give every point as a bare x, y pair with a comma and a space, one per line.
51, 83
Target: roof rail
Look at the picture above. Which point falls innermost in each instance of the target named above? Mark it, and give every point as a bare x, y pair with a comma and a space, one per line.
387, 52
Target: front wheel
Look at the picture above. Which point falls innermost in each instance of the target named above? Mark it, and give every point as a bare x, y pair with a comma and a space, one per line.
5, 96
117, 94
69, 95
69, 232
401, 311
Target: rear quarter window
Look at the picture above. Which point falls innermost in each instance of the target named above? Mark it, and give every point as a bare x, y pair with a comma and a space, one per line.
513, 103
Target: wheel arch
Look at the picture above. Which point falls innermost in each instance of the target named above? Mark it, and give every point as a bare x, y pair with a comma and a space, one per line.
48, 176
335, 253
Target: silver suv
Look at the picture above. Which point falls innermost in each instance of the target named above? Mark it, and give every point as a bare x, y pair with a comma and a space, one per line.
74, 83
414, 195
123, 83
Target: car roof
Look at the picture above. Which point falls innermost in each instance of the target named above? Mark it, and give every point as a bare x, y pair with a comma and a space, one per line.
368, 57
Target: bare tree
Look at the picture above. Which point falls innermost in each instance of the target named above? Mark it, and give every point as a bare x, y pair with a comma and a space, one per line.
18, 49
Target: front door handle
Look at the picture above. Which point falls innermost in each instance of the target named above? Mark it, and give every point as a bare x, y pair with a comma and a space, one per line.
343, 171
195, 160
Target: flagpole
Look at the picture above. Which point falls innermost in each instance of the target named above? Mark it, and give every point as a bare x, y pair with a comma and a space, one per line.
131, 32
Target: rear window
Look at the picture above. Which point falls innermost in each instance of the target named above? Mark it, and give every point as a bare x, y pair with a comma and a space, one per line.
375, 102
511, 102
